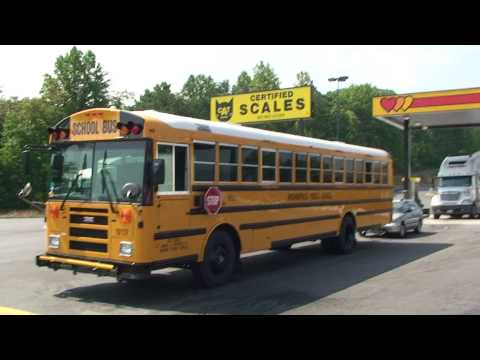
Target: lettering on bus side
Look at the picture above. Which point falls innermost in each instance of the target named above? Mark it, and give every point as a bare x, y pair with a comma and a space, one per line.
310, 196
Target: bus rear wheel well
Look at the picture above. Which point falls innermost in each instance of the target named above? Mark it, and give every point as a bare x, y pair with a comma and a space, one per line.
234, 235
350, 215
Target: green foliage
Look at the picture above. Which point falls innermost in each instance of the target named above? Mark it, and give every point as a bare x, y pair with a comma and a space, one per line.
26, 125
196, 93
78, 83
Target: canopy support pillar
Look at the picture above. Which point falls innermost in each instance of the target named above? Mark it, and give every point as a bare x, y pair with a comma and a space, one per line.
407, 147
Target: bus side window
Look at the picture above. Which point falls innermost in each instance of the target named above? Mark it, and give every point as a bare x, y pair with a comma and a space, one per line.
339, 169
368, 172
349, 171
384, 172
204, 160
249, 164
286, 162
327, 169
181, 168
228, 163
359, 171
376, 172
269, 165
315, 168
300, 168
176, 167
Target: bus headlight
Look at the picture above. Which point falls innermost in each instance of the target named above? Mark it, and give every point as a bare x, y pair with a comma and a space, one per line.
126, 248
54, 241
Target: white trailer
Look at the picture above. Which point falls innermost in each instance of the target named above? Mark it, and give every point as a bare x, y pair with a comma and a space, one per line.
458, 183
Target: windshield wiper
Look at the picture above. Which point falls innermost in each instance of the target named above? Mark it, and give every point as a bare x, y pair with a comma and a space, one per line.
74, 182
104, 181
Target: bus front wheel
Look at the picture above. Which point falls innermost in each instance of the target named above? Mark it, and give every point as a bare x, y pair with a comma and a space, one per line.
346, 242
219, 261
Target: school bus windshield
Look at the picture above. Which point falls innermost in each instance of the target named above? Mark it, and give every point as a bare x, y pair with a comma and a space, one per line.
95, 171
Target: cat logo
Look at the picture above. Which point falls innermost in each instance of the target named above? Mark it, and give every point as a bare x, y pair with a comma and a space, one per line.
224, 110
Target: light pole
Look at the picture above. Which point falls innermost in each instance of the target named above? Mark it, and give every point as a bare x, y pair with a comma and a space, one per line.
338, 80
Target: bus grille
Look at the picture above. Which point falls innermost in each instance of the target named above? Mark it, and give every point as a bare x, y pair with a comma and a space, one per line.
453, 196
91, 233
81, 245
83, 219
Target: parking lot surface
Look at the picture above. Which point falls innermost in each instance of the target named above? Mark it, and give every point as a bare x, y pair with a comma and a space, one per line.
435, 272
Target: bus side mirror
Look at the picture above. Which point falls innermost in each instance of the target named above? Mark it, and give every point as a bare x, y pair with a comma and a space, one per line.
25, 192
158, 171
57, 166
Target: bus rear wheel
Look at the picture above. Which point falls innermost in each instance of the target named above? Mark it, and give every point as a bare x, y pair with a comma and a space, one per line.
219, 262
346, 242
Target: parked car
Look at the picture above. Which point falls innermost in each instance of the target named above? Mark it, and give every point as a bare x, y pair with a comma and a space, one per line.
407, 216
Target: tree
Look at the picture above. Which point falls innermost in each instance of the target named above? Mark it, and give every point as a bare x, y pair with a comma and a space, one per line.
264, 78
160, 98
304, 79
121, 99
243, 85
196, 94
78, 83
26, 125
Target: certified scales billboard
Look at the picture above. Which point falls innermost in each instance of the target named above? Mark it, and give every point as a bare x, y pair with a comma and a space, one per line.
263, 106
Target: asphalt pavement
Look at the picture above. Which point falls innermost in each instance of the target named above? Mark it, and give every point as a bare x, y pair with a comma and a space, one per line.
435, 272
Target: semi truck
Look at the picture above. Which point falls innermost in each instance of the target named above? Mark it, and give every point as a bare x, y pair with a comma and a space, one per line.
458, 182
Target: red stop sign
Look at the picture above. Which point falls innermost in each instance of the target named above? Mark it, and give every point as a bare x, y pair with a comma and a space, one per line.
212, 200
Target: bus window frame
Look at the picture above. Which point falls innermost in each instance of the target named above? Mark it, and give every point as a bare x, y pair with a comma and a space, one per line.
352, 172
335, 171
292, 168
269, 166
237, 164
319, 169
204, 162
330, 171
362, 172
251, 147
300, 168
189, 185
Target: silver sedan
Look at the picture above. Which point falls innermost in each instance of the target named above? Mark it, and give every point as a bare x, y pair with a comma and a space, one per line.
407, 216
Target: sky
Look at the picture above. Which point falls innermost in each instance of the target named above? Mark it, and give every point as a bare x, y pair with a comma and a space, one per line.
135, 68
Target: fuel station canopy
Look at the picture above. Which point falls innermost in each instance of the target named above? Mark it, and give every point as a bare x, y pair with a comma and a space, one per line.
435, 109
423, 110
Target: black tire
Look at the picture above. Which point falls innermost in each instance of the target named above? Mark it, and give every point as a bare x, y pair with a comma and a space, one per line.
418, 229
363, 232
436, 216
346, 242
474, 213
219, 263
403, 231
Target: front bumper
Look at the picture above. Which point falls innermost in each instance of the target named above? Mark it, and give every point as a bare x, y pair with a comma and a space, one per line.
392, 228
133, 271
452, 209
76, 265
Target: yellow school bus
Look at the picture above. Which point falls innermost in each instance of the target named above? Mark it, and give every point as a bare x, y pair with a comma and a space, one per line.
136, 191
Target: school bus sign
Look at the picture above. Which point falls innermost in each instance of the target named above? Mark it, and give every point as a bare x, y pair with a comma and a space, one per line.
275, 105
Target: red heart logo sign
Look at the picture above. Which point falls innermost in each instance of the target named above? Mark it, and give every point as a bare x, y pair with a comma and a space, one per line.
388, 103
